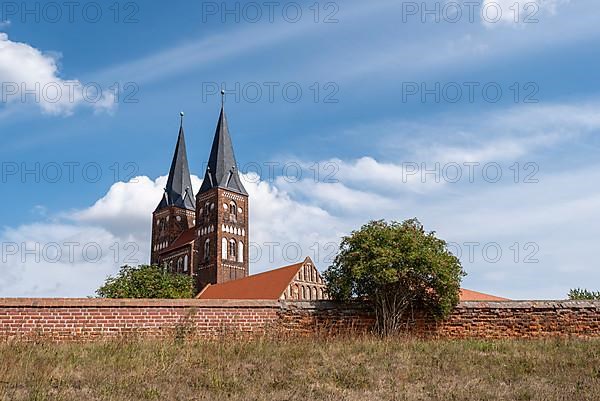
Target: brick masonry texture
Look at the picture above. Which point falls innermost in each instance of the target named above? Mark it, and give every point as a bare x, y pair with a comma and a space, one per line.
88, 319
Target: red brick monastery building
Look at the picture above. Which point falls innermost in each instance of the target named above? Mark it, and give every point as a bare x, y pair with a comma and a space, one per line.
207, 235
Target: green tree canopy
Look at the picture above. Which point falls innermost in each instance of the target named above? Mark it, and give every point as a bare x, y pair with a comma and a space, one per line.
147, 281
398, 267
583, 294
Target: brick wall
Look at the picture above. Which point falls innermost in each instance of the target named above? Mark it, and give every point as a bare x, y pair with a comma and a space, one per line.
523, 319
323, 317
507, 319
82, 319
85, 319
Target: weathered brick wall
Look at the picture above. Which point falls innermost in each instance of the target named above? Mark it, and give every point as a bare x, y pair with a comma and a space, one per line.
524, 319
507, 319
323, 317
85, 319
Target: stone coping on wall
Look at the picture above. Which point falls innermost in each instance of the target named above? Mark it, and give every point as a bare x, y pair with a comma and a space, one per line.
527, 304
253, 303
322, 305
134, 303
524, 304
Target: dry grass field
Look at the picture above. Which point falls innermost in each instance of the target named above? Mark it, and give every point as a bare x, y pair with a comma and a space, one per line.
336, 369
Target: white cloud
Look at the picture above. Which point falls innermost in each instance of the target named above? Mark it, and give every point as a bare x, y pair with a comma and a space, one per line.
125, 208
30, 76
118, 224
441, 50
369, 173
513, 133
507, 134
290, 220
251, 37
522, 12
308, 220
55, 259
285, 229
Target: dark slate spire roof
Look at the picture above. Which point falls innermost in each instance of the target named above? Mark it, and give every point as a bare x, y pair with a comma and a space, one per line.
222, 169
178, 191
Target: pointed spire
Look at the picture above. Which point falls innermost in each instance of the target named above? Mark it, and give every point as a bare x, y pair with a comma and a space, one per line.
222, 168
178, 191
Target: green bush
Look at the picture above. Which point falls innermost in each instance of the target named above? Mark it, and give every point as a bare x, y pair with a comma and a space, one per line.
147, 281
399, 268
583, 294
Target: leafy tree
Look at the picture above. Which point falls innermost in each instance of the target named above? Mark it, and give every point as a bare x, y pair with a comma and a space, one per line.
399, 268
147, 281
583, 294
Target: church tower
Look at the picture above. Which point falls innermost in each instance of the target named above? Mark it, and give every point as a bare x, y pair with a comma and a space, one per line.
221, 215
176, 211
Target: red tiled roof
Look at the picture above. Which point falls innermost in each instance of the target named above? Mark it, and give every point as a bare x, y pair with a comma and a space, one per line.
271, 284
468, 295
267, 285
185, 238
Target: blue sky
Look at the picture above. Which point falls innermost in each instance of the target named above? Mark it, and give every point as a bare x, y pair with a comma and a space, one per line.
371, 129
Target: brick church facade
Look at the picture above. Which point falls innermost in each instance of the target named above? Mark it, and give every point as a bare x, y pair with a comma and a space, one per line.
206, 235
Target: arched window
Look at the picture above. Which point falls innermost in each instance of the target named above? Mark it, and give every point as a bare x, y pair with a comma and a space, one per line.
179, 265
224, 248
303, 292
314, 293
240, 252
206, 208
233, 211
206, 250
232, 251
185, 263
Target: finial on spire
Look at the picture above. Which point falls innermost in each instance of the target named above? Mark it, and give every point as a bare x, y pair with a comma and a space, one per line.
181, 114
222, 98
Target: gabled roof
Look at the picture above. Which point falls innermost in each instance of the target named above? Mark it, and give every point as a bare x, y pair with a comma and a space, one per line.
272, 284
267, 285
178, 191
222, 169
468, 295
185, 238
